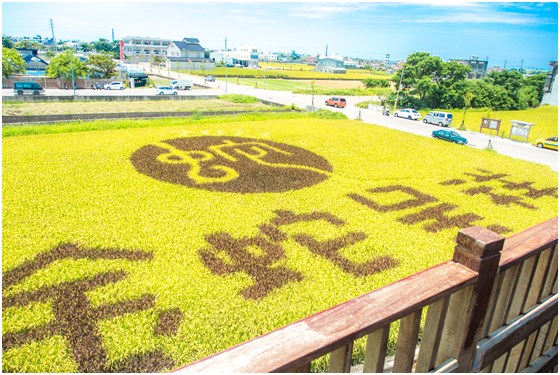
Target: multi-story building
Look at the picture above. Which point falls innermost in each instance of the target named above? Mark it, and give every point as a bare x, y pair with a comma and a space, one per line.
478, 67
550, 95
331, 64
187, 54
142, 49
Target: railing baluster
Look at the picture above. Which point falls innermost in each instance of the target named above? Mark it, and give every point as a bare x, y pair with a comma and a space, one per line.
406, 343
376, 350
431, 335
341, 359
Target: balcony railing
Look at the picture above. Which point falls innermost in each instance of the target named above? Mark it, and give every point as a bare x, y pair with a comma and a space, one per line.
493, 308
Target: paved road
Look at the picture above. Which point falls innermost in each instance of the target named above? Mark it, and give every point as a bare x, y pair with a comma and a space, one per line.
508, 147
514, 149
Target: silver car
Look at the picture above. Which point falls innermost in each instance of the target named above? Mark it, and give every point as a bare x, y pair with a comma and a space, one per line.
439, 118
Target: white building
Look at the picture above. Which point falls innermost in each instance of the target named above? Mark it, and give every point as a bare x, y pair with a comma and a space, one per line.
137, 48
551, 86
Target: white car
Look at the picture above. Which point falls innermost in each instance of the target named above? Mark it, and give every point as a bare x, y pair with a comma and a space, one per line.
166, 90
116, 85
408, 113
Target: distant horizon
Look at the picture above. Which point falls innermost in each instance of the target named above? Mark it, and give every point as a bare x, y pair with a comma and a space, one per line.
512, 34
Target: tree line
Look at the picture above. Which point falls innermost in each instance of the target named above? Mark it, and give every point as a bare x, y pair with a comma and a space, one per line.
63, 65
427, 81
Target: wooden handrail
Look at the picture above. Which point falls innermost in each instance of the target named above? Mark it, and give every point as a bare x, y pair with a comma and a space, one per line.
525, 244
309, 338
478, 250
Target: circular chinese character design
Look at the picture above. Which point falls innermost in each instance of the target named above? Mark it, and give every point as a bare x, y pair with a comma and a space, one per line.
231, 164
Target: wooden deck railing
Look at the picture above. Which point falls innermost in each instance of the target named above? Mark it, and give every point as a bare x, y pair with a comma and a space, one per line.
493, 308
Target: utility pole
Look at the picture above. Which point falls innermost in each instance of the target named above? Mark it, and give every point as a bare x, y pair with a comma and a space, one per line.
52, 30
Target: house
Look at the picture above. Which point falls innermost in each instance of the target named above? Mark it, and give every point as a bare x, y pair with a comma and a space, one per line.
142, 49
330, 64
34, 65
187, 54
551, 86
478, 67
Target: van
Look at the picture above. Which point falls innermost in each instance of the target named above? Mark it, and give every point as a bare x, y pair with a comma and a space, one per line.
439, 118
184, 84
33, 88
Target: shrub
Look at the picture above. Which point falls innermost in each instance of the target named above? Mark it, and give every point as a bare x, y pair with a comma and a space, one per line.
238, 98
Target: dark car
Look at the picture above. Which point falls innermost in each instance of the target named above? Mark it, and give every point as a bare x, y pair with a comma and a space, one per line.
336, 102
449, 135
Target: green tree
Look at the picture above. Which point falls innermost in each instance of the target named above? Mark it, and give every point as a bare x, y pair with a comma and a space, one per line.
61, 66
86, 47
23, 44
372, 82
101, 65
103, 45
428, 81
12, 62
6, 42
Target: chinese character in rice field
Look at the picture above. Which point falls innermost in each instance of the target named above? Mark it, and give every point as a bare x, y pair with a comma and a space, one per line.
437, 216
258, 256
231, 164
76, 319
482, 176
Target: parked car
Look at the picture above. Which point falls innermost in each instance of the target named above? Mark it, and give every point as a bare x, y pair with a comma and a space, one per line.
408, 113
439, 118
210, 79
449, 135
336, 102
33, 88
165, 90
551, 143
116, 85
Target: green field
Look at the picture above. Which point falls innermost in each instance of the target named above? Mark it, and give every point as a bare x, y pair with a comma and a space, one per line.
221, 104
351, 74
144, 245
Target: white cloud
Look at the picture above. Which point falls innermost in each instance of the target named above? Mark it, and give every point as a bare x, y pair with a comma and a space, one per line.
323, 11
486, 17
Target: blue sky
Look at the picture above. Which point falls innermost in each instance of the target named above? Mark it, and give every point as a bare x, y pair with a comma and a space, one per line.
517, 32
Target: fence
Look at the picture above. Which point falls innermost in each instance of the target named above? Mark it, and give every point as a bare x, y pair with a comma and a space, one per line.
493, 308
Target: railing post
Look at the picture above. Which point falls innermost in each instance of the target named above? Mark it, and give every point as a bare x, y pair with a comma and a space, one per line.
478, 249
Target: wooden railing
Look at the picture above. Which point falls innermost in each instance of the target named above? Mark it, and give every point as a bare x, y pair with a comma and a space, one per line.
493, 308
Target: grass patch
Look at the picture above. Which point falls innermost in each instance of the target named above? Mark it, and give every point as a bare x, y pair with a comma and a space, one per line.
224, 103
545, 119
237, 98
351, 74
154, 274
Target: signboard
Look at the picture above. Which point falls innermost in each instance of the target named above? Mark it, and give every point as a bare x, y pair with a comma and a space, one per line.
489, 123
520, 129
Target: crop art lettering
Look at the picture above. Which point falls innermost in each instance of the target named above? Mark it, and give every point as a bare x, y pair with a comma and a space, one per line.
231, 164
76, 319
228, 255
